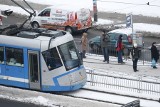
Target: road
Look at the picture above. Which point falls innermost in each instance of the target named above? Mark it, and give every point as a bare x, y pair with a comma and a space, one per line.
9, 103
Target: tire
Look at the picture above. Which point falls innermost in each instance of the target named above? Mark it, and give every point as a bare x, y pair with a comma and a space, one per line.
69, 29
35, 25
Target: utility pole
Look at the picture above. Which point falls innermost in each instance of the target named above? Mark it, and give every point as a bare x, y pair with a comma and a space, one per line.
95, 10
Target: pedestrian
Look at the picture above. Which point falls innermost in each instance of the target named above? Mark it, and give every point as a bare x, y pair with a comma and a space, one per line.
135, 56
104, 45
84, 42
119, 49
154, 55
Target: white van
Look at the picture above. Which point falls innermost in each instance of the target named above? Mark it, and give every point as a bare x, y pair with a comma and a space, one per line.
56, 18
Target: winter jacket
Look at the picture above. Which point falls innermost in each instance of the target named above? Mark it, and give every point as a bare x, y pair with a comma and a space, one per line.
84, 41
154, 53
104, 40
135, 53
119, 44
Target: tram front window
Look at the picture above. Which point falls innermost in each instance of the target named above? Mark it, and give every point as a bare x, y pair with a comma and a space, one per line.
69, 55
52, 58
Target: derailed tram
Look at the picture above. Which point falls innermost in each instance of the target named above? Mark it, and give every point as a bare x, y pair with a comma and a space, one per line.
41, 59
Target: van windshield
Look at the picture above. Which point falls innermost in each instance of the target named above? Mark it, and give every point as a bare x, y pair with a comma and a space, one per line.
69, 55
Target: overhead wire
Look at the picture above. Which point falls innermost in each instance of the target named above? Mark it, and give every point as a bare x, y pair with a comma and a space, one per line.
130, 3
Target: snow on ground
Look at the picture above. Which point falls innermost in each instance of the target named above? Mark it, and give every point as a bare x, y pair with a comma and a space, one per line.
137, 7
137, 26
50, 99
14, 9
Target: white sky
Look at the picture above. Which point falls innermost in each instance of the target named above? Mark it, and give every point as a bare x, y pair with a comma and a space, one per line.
102, 6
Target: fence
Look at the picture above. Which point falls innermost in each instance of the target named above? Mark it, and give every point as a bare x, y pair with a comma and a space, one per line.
139, 84
145, 53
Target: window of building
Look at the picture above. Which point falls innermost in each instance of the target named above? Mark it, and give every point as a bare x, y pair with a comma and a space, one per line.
52, 58
1, 55
14, 56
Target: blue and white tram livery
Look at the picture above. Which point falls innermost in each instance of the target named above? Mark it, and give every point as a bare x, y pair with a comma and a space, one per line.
42, 60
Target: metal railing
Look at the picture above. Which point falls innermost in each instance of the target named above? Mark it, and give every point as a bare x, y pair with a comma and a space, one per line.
139, 84
145, 54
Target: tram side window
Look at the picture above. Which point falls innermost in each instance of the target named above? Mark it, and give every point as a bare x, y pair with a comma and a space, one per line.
52, 59
1, 55
14, 56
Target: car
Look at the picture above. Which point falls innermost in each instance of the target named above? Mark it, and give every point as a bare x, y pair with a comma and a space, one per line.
127, 39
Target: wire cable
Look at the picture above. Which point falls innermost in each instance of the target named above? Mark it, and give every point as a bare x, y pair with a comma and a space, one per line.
148, 3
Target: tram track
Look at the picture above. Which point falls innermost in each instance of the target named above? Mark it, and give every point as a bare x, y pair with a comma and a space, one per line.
85, 98
76, 94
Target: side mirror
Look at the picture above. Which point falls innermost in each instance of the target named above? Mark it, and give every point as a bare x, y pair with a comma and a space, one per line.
7, 12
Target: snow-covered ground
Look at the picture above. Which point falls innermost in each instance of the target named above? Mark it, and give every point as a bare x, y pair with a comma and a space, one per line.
137, 7
50, 99
102, 6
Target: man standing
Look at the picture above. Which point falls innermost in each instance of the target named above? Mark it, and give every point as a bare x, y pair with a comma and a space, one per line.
104, 44
135, 56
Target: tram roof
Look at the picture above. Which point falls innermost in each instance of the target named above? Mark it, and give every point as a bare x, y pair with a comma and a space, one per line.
32, 39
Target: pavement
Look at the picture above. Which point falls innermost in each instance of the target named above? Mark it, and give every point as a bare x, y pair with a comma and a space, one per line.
96, 62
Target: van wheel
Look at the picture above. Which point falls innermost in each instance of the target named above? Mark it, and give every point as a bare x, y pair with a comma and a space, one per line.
69, 29
35, 25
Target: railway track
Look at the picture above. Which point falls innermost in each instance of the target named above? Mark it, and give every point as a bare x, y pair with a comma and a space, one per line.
107, 97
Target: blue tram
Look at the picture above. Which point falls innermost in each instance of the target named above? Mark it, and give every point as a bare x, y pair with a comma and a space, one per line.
41, 59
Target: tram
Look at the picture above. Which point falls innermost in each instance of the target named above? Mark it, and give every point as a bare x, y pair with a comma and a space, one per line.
46, 61
40, 59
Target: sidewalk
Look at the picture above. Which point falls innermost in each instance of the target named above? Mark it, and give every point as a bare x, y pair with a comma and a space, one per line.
96, 62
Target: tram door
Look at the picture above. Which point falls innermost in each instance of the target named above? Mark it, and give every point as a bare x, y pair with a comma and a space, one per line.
34, 71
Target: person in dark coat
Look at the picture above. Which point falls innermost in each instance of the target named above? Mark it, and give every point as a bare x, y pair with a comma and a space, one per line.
119, 49
154, 54
135, 56
104, 44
